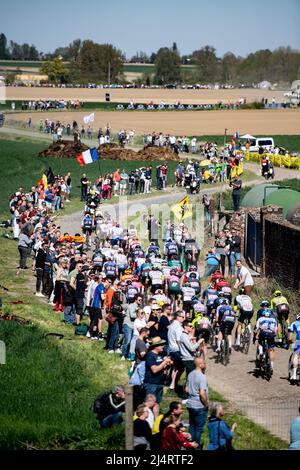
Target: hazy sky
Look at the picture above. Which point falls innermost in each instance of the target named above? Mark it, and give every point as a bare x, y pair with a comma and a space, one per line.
239, 26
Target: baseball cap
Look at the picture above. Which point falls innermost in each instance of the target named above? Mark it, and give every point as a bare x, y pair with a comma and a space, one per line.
155, 307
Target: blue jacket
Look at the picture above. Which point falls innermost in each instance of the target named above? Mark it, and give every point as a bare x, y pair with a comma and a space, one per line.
219, 433
295, 434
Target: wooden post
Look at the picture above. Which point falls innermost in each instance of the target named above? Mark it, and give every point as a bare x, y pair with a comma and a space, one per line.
128, 417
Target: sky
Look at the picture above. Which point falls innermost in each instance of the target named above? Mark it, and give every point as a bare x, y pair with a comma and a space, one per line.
238, 26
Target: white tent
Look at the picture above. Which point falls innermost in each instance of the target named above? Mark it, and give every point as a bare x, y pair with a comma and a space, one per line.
247, 136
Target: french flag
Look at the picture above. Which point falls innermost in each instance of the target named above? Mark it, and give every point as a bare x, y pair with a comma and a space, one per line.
89, 156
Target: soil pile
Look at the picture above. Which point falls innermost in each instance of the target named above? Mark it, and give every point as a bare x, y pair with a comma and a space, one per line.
64, 149
152, 152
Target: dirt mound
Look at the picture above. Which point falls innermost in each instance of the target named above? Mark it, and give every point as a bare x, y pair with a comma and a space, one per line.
149, 152
152, 152
64, 149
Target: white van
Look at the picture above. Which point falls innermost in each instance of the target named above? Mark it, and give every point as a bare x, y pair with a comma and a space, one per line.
265, 142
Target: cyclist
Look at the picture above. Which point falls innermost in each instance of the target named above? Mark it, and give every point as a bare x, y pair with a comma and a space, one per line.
198, 306
280, 305
295, 328
156, 278
87, 227
121, 260
145, 269
110, 269
175, 263
170, 248
266, 329
221, 285
243, 303
225, 319
131, 292
203, 328
153, 249
173, 287
210, 295
188, 293
265, 305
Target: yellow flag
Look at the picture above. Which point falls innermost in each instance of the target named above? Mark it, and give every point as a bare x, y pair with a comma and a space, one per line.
182, 209
45, 181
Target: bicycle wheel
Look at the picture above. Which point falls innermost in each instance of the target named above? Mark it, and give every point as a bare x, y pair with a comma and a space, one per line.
246, 340
285, 334
225, 351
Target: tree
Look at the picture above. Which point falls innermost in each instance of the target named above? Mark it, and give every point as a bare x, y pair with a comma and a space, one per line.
100, 63
167, 67
4, 53
206, 62
56, 71
229, 66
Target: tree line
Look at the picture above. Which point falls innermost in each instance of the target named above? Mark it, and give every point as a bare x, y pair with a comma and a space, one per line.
84, 61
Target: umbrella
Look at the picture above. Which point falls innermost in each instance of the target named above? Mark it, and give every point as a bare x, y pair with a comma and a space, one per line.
205, 162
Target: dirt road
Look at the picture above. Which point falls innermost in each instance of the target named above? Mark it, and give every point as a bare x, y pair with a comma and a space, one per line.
139, 95
256, 122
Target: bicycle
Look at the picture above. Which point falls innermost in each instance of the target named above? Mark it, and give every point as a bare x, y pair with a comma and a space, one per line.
264, 364
284, 332
223, 354
16, 318
245, 336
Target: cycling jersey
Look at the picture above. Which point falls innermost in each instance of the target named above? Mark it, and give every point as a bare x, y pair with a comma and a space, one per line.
121, 261
195, 284
153, 249
156, 278
107, 252
295, 328
174, 284
98, 259
225, 313
278, 301
267, 324
137, 252
187, 293
131, 293
166, 272
204, 323
171, 249
87, 223
145, 269
110, 268
199, 307
175, 263
210, 295
244, 303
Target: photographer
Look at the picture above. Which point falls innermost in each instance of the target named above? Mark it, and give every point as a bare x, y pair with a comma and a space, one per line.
236, 184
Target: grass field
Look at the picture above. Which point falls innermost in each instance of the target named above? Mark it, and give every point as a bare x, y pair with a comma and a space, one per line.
21, 166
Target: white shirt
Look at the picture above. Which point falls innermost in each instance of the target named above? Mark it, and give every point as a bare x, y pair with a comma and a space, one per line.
248, 278
138, 324
174, 332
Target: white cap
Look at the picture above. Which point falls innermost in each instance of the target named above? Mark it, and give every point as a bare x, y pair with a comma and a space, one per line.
147, 309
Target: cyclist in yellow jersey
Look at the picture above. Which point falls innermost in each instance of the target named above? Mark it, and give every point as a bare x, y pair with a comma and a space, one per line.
280, 306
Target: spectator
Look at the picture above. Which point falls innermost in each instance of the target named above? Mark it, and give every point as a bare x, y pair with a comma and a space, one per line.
24, 245
220, 435
197, 404
156, 367
244, 278
236, 184
110, 406
234, 249
84, 186
141, 430
295, 433
212, 262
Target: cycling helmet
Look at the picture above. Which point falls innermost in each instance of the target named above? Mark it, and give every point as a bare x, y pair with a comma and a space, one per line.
192, 276
221, 294
298, 316
164, 262
173, 271
223, 302
265, 303
277, 293
242, 291
127, 271
193, 268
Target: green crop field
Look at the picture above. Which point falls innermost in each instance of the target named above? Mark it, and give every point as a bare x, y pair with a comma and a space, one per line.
21, 166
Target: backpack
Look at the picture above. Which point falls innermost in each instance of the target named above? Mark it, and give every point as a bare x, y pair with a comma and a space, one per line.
81, 330
98, 403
